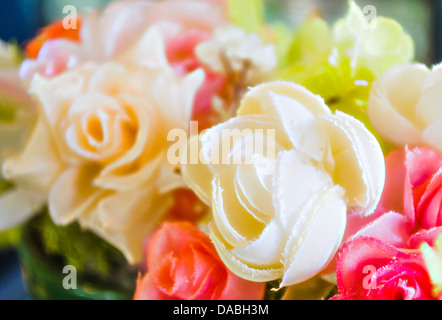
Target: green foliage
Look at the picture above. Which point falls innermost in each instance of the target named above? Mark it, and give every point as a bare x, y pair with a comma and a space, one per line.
82, 249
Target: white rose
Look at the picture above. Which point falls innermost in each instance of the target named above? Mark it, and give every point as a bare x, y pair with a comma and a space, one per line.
287, 223
404, 106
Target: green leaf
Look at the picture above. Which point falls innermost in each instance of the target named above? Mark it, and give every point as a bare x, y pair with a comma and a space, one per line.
82, 249
247, 14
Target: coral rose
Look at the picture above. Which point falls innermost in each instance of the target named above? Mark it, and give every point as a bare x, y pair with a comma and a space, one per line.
404, 106
369, 269
183, 264
282, 213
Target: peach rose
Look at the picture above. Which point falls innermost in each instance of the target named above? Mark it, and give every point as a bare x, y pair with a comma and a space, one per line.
283, 214
98, 151
183, 264
404, 106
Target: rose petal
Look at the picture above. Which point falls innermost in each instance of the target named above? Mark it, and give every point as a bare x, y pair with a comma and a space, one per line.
311, 246
17, 206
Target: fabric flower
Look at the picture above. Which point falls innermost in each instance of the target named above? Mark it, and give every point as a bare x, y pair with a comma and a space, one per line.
98, 151
369, 269
409, 211
239, 49
414, 188
403, 106
183, 264
282, 213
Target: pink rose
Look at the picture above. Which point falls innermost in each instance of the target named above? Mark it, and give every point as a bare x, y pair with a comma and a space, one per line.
369, 269
180, 52
183, 264
410, 209
414, 188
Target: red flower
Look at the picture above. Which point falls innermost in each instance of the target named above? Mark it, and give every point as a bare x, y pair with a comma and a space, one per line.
184, 265
369, 269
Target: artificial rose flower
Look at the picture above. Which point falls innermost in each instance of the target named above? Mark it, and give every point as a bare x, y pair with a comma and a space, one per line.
414, 188
369, 269
403, 106
433, 261
242, 51
183, 264
98, 151
409, 211
283, 212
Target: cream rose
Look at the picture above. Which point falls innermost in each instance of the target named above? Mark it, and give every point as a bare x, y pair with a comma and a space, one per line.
98, 151
404, 106
287, 223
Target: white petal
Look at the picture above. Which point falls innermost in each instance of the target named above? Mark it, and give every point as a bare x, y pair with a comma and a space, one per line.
39, 165
266, 250
252, 194
389, 123
428, 109
234, 222
432, 136
251, 103
301, 126
150, 51
197, 175
295, 182
359, 161
237, 266
402, 87
16, 206
315, 238
72, 195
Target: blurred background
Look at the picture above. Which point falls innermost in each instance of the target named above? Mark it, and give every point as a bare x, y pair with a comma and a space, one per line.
20, 19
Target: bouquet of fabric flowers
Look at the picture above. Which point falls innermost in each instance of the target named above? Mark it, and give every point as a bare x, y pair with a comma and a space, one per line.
223, 156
